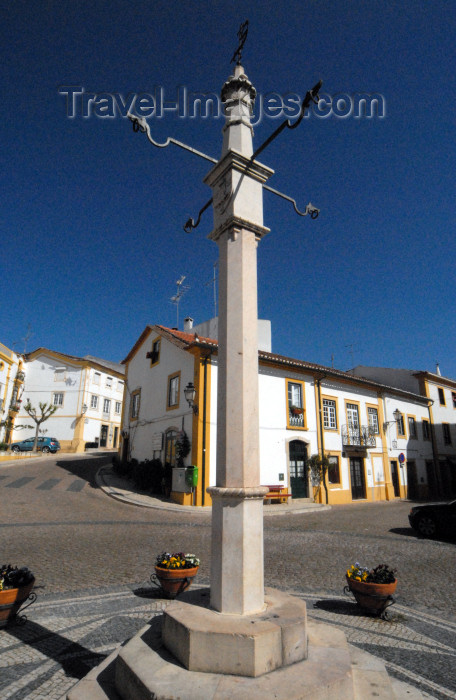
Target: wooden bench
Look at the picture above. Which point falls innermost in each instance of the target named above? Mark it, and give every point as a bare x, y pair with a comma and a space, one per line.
277, 492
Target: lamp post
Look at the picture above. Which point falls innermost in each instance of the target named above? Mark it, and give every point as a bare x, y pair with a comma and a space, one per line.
190, 395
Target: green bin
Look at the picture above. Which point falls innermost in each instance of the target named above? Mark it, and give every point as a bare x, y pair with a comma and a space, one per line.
191, 476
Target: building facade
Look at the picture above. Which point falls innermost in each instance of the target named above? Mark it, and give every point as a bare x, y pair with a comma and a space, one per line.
11, 384
440, 430
88, 392
371, 432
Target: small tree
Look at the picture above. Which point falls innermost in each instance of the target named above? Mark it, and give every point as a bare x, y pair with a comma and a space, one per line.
183, 447
47, 410
318, 466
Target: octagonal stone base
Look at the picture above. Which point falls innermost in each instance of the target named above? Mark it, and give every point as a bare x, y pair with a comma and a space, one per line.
243, 645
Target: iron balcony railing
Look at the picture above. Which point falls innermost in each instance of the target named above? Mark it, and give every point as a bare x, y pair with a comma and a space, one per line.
363, 436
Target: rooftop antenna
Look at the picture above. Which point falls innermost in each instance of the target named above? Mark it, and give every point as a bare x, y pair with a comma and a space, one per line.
352, 354
214, 284
27, 337
181, 289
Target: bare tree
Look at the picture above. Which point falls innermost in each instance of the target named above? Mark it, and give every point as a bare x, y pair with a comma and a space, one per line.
47, 410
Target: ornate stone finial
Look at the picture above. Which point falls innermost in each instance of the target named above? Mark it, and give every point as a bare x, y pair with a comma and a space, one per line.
238, 87
242, 36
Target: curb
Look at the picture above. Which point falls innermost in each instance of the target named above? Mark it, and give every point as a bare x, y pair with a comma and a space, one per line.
120, 489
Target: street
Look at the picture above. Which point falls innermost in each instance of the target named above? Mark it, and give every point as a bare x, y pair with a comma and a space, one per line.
92, 557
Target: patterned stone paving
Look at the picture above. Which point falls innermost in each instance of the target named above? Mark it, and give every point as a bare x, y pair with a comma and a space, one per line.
66, 635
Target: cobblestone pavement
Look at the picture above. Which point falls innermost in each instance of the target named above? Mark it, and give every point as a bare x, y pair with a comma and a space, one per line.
92, 557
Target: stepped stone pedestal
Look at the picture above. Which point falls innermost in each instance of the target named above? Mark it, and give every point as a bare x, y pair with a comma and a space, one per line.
329, 669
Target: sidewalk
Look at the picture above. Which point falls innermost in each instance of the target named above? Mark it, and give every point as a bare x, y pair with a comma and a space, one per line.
124, 490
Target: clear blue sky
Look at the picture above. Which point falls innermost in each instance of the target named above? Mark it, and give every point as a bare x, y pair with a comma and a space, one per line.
92, 215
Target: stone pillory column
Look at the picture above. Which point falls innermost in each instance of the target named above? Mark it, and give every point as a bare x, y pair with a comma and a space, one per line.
237, 579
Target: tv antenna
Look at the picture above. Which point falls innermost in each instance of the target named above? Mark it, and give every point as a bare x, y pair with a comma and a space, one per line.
181, 289
213, 282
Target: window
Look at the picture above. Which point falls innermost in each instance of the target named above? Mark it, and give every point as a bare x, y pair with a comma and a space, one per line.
295, 405
173, 390
441, 396
372, 418
57, 399
109, 382
352, 416
426, 431
333, 470
94, 402
412, 427
134, 404
120, 385
106, 406
155, 352
400, 426
171, 437
453, 396
96, 378
60, 374
118, 407
446, 433
329, 414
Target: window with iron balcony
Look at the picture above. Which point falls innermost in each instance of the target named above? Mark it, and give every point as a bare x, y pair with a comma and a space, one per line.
295, 405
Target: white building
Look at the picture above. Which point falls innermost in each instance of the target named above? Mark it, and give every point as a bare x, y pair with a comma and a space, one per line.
88, 392
305, 409
439, 430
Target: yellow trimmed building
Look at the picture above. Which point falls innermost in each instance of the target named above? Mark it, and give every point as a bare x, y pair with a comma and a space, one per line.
371, 432
11, 384
88, 392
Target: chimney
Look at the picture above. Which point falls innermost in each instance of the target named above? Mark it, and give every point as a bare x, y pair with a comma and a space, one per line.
188, 323
437, 369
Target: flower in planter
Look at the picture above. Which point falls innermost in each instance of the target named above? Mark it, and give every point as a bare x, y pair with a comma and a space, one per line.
380, 574
12, 577
177, 560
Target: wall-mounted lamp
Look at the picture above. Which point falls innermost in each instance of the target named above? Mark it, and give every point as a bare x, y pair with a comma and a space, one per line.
190, 394
396, 415
84, 409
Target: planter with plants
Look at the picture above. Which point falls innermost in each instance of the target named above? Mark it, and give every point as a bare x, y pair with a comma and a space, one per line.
16, 587
373, 588
174, 572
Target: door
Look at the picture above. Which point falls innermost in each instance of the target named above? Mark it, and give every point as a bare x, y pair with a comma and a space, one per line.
412, 480
395, 478
298, 476
358, 487
104, 436
116, 435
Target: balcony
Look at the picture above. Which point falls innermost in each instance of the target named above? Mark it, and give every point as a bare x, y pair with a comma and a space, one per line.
363, 436
295, 417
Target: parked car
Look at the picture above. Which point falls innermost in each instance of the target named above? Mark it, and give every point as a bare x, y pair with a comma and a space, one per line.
434, 519
44, 444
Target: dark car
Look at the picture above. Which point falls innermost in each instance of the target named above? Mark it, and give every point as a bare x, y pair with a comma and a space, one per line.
44, 444
434, 519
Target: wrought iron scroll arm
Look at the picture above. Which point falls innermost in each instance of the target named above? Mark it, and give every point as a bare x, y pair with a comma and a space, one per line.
311, 96
140, 124
310, 209
191, 223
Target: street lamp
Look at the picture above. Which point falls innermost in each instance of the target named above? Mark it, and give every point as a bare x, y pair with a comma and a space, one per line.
396, 415
190, 395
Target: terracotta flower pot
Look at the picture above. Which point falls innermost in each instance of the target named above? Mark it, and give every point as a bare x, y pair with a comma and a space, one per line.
175, 581
11, 600
374, 597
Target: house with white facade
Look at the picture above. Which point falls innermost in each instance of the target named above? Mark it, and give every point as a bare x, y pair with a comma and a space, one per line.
305, 409
88, 392
439, 430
